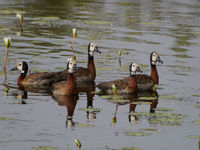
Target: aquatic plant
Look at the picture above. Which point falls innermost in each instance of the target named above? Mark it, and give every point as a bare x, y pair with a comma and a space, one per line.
119, 53
114, 119
78, 144
20, 16
74, 34
7, 42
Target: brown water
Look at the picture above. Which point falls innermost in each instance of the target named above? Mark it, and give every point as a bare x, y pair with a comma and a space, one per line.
172, 28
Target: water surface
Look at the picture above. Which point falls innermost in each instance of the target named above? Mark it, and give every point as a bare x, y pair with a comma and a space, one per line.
137, 27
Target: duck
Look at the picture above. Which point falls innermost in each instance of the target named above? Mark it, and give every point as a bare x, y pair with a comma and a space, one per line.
123, 86
66, 87
147, 82
81, 74
33, 79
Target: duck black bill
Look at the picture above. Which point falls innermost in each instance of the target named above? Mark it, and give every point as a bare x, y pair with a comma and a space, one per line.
159, 60
13, 69
97, 50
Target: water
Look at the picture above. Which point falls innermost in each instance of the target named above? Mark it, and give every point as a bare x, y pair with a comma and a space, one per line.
137, 27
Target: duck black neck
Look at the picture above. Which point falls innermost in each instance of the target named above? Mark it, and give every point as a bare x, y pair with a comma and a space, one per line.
24, 73
90, 57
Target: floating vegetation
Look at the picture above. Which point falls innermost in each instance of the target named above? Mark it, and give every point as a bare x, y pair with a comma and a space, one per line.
183, 56
167, 115
197, 106
148, 98
162, 118
149, 130
5, 119
84, 125
166, 121
45, 148
141, 103
130, 148
98, 22
196, 122
137, 134
90, 109
194, 137
163, 109
178, 49
167, 97
196, 95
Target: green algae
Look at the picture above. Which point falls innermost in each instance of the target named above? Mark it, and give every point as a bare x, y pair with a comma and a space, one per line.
149, 130
141, 103
137, 134
169, 115
167, 97
5, 119
148, 98
44, 148
90, 109
166, 121
197, 106
194, 137
163, 109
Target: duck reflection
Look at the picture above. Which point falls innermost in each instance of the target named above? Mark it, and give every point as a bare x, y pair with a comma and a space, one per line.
21, 94
70, 102
151, 97
36, 89
89, 89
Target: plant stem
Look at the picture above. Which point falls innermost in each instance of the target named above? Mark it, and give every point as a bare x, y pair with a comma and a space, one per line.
5, 62
72, 46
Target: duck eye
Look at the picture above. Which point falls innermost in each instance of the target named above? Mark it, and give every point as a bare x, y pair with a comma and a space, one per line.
20, 64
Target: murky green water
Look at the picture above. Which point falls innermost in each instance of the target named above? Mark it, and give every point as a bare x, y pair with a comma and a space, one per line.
171, 28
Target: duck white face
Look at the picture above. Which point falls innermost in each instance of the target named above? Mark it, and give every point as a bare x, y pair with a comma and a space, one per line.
71, 65
155, 57
93, 48
134, 68
22, 66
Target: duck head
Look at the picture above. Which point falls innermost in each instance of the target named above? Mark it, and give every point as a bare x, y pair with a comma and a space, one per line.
134, 68
154, 58
92, 47
22, 66
71, 65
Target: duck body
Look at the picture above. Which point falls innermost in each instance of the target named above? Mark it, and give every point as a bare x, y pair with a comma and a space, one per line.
81, 74
123, 86
34, 79
146, 82
66, 87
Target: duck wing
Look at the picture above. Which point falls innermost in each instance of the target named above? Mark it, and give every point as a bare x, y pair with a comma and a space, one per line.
120, 84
